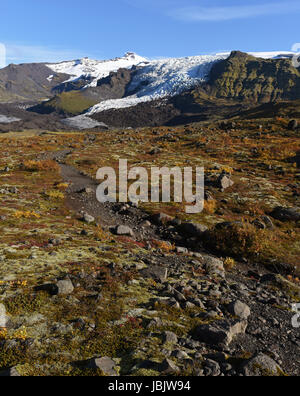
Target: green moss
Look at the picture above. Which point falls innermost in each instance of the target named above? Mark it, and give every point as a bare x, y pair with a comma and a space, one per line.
72, 103
26, 303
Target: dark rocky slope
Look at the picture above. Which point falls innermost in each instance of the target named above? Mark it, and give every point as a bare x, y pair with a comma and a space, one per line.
28, 82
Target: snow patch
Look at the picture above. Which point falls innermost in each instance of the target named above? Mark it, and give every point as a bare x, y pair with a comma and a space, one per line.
83, 122
96, 69
7, 120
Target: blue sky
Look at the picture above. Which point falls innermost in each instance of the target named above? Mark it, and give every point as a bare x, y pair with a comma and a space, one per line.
39, 30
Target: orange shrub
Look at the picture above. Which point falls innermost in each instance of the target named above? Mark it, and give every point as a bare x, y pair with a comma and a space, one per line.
40, 166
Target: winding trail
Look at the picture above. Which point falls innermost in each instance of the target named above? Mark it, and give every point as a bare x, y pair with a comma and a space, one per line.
81, 197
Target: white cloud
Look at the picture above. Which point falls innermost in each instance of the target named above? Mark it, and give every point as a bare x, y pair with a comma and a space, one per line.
213, 14
16, 53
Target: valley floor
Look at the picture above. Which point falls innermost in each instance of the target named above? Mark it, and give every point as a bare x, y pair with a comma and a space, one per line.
81, 296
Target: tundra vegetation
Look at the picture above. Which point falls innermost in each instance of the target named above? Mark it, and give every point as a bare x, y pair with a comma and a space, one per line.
72, 292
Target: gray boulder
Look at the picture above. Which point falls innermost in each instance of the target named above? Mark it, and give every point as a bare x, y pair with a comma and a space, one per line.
213, 266
105, 364
65, 287
224, 182
88, 218
220, 333
169, 367
3, 316
12, 372
239, 309
124, 231
261, 365
170, 337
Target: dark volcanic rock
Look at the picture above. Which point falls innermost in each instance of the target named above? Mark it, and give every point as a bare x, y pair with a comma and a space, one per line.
286, 214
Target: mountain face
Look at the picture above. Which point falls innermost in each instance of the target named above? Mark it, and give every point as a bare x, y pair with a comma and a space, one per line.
234, 84
28, 82
132, 91
39, 81
246, 78
74, 102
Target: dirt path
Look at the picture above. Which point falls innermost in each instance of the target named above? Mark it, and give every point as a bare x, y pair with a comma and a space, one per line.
81, 196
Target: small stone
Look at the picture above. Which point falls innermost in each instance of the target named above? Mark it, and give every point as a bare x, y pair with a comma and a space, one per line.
88, 218
12, 372
261, 365
220, 333
124, 231
170, 337
225, 182
182, 250
161, 218
214, 266
105, 364
239, 309
169, 367
193, 229
211, 368
65, 287
3, 316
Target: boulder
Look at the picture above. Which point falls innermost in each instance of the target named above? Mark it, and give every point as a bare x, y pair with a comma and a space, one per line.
213, 266
220, 333
286, 214
88, 218
261, 365
239, 309
169, 367
293, 125
124, 231
193, 229
62, 287
155, 272
161, 218
3, 316
170, 337
105, 364
224, 182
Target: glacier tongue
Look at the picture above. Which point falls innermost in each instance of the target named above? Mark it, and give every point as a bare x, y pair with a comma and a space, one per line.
154, 79
169, 77
161, 78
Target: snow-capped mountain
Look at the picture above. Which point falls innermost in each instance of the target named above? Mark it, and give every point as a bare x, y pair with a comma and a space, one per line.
169, 77
96, 69
161, 78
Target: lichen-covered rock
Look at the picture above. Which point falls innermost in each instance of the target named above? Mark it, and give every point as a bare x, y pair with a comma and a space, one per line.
286, 214
239, 309
12, 372
261, 365
124, 231
213, 266
3, 316
105, 364
220, 333
169, 367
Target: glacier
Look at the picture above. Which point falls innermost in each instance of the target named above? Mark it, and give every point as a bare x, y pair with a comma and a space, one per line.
154, 79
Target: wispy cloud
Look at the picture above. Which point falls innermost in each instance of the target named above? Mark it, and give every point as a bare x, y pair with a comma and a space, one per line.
225, 13
19, 53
